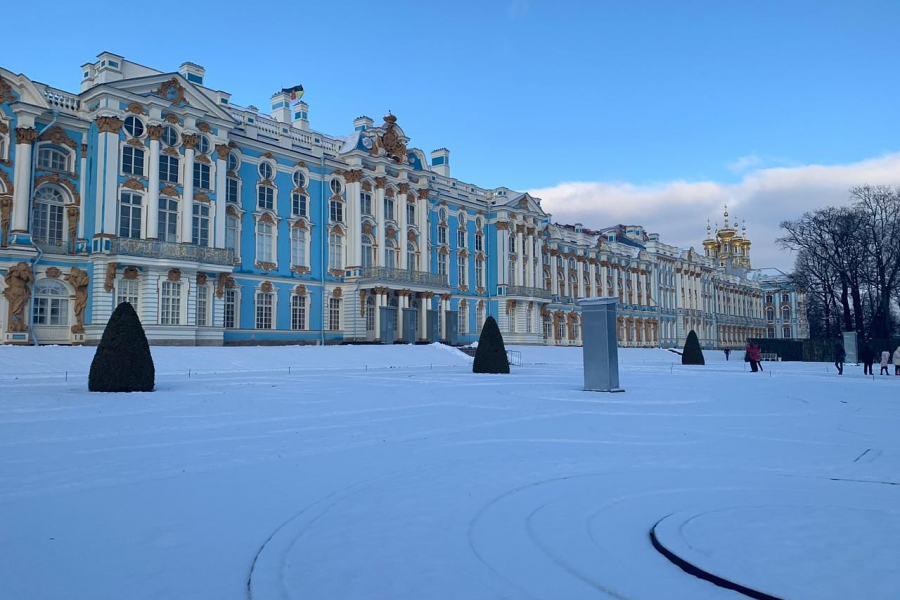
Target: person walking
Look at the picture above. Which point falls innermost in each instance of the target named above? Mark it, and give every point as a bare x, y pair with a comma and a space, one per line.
727, 353
897, 361
868, 359
885, 361
752, 357
839, 358
758, 353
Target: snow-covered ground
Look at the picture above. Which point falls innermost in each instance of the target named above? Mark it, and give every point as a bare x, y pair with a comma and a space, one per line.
394, 472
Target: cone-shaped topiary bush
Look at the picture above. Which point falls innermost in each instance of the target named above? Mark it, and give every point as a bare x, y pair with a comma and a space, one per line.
692, 355
122, 362
490, 357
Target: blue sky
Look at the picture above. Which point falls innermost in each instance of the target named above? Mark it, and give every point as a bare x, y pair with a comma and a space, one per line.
533, 94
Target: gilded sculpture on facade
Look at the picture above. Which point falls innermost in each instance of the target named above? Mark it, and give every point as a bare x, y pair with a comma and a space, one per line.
78, 279
6, 204
390, 142
17, 294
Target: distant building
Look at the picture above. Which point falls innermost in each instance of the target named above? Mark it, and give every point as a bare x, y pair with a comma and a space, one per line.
222, 225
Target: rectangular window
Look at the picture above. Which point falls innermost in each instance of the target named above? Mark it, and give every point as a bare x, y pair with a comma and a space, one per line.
203, 306
462, 279
201, 224
265, 197
479, 273
442, 264
389, 209
133, 161
463, 319
168, 219
298, 313
298, 205
336, 211
479, 242
335, 252
127, 290
230, 306
264, 238
334, 314
168, 169
411, 214
51, 311
231, 227
264, 310
442, 235
231, 190
298, 247
130, 215
366, 203
201, 176
461, 238
170, 303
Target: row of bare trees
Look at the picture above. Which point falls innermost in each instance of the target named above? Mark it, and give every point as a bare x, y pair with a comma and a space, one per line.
848, 261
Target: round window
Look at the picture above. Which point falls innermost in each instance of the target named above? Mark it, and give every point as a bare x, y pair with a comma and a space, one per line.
170, 136
299, 179
233, 162
203, 145
265, 170
134, 127
336, 187
443, 215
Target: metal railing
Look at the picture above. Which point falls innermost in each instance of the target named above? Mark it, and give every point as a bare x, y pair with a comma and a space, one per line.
158, 249
405, 276
530, 292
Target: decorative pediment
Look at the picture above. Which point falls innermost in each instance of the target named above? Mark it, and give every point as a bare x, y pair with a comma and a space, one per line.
525, 202
56, 136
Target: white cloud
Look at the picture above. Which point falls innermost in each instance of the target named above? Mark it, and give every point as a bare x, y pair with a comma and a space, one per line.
745, 162
678, 210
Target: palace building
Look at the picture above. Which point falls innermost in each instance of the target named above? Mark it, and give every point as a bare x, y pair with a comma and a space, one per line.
222, 225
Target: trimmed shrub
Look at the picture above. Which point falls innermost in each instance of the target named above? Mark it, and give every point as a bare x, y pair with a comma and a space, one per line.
692, 354
490, 357
122, 362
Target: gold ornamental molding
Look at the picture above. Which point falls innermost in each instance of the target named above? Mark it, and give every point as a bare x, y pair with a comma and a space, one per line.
337, 293
131, 273
135, 142
7, 182
172, 119
53, 272
222, 151
170, 151
170, 191
223, 281
133, 183
204, 127
6, 94
26, 135
135, 108
202, 158
79, 280
109, 124
57, 136
174, 275
190, 140
423, 194
266, 287
353, 176
266, 266
202, 197
403, 188
300, 290
109, 281
380, 182
173, 91
201, 279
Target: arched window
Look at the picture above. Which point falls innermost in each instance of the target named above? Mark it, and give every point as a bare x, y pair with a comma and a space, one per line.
367, 251
53, 159
51, 303
265, 239
573, 285
370, 313
335, 251
770, 313
48, 214
412, 258
232, 232
168, 219
463, 317
785, 313
392, 255
548, 282
479, 317
786, 332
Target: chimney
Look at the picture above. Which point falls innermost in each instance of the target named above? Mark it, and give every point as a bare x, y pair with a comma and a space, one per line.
362, 123
281, 107
440, 161
192, 72
301, 115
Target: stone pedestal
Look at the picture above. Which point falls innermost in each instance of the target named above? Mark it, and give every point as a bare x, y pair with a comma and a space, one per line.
599, 345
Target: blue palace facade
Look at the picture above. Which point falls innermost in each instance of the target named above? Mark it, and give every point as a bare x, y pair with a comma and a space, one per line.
222, 225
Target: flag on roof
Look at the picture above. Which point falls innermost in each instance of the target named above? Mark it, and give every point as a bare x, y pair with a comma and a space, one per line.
296, 92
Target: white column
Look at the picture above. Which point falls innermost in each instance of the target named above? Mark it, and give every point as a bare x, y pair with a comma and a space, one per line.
520, 255
155, 132
424, 305
565, 291
554, 276
221, 195
187, 202
422, 216
25, 138
615, 281
592, 275
82, 184
401, 236
380, 220
502, 257
378, 313
582, 292
530, 272
539, 266
354, 218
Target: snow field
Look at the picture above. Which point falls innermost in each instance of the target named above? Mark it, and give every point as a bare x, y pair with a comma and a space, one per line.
417, 479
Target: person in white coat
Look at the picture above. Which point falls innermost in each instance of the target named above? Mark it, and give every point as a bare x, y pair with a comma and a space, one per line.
897, 361
885, 361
